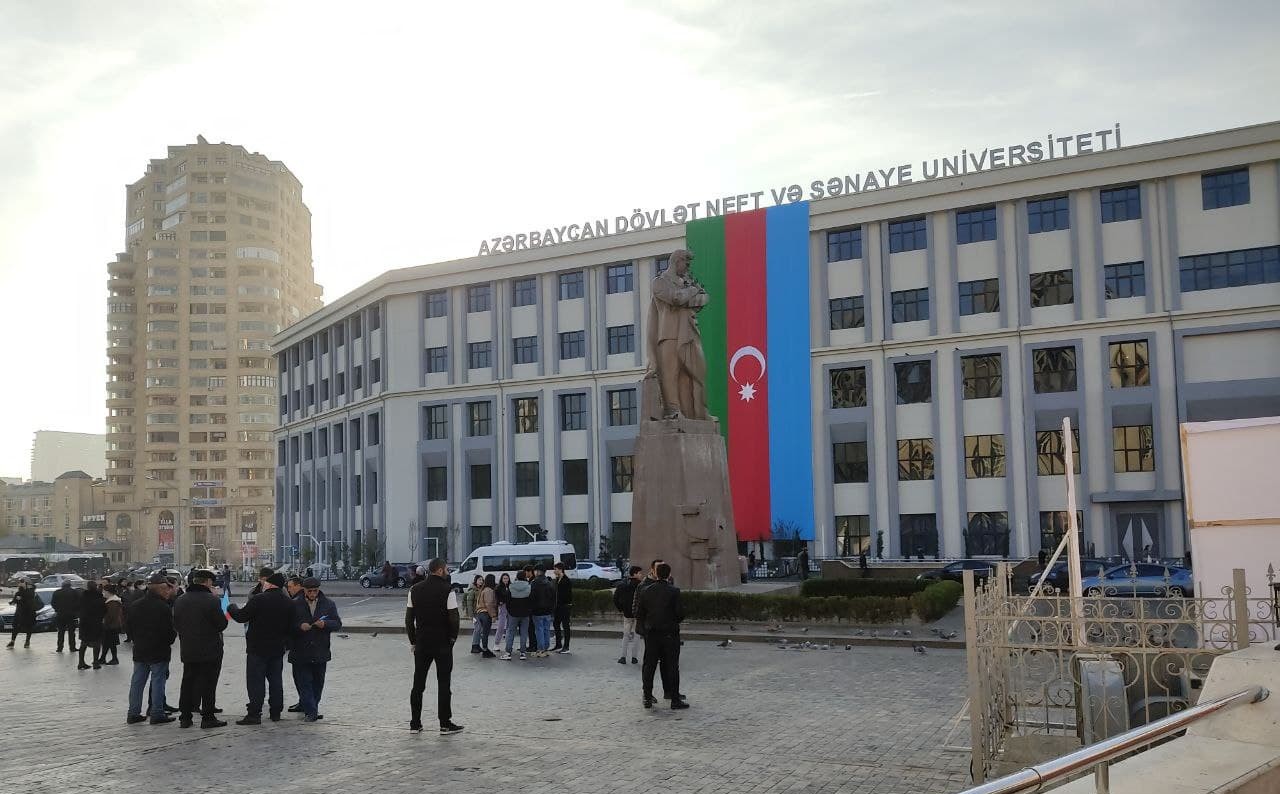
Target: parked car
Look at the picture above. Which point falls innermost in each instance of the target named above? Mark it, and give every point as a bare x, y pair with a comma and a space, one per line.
594, 572
1056, 577
955, 571
44, 611
55, 580
506, 557
17, 576
1140, 579
373, 577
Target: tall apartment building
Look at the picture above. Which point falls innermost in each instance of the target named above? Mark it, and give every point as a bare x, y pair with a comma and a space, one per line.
217, 260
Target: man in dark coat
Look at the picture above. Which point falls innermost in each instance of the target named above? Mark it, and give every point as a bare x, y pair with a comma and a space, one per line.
151, 621
270, 618
661, 614
93, 608
624, 600
24, 616
200, 621
315, 618
431, 622
66, 605
543, 597
564, 607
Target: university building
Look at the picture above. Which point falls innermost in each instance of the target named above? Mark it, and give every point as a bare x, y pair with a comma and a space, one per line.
952, 324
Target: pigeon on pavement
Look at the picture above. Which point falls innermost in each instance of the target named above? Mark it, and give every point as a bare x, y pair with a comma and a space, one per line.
918, 649
950, 635
724, 644
848, 647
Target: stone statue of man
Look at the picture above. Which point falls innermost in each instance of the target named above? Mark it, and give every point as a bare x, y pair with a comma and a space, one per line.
674, 342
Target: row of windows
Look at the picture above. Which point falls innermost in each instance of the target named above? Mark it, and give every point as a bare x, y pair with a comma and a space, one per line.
1053, 370
574, 479
524, 349
1220, 189
985, 534
623, 411
524, 291
360, 432
313, 394
306, 350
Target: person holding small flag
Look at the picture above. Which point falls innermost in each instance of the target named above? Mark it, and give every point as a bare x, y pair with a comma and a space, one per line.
315, 618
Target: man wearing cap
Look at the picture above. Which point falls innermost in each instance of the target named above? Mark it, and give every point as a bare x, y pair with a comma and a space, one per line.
269, 616
315, 618
200, 621
263, 576
151, 622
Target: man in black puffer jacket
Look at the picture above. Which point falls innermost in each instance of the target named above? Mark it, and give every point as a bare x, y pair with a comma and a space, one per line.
153, 635
270, 618
543, 596
564, 607
66, 605
200, 621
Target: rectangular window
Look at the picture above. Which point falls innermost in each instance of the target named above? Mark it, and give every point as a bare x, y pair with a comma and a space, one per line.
524, 350
622, 339
918, 534
915, 459
849, 461
1051, 456
983, 456
339, 336
849, 387
622, 408
438, 303
478, 355
374, 422
1048, 215
528, 479
660, 265
1125, 280
375, 318
524, 291
1225, 188
1230, 269
342, 383
1053, 369
437, 483
844, 244
987, 534
619, 278
526, 411
1134, 448
1120, 204
354, 425
573, 411
573, 477
621, 470
357, 377
976, 225
338, 439
375, 371
479, 298
983, 376
908, 235
847, 313
578, 536
853, 535
1055, 288
979, 297
436, 422
910, 305
356, 327
572, 345
1054, 527
571, 285
915, 382
357, 493
479, 419
1129, 364
481, 481
437, 359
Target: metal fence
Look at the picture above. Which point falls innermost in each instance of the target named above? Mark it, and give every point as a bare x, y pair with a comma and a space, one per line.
1031, 685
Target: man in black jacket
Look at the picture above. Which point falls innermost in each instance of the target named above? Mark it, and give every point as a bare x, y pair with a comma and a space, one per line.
624, 599
200, 621
315, 619
270, 618
564, 605
431, 622
543, 596
151, 621
661, 614
66, 605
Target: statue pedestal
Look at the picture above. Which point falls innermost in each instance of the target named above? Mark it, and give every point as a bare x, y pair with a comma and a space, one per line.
680, 509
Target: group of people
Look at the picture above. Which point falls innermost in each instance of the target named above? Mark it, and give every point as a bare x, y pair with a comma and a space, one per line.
531, 608
99, 610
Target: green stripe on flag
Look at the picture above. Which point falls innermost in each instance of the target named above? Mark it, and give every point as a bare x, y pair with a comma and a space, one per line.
705, 238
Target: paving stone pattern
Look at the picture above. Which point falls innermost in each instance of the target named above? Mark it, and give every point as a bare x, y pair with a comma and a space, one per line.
763, 720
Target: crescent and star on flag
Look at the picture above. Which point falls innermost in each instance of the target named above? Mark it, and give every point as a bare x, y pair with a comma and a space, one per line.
747, 392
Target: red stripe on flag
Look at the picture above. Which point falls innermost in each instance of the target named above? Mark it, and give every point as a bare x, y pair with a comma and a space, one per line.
745, 348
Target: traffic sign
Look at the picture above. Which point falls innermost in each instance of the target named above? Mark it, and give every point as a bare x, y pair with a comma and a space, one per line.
206, 502
207, 484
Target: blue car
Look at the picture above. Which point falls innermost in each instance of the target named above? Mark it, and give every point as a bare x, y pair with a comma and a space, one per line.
1150, 580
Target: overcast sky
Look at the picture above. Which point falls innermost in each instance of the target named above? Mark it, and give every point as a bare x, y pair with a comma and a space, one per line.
420, 128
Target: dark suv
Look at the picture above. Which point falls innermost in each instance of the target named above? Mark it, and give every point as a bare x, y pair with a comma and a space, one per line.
404, 575
955, 571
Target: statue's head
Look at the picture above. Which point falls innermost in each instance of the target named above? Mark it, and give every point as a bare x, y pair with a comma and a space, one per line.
680, 261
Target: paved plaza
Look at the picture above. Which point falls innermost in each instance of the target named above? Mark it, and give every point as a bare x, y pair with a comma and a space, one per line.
864, 720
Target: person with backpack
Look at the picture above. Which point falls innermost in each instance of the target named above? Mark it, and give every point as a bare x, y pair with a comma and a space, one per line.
624, 599
519, 612
543, 596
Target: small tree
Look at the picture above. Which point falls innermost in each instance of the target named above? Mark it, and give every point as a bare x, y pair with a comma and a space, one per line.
786, 538
413, 541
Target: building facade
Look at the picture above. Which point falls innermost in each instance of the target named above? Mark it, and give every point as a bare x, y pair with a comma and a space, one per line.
217, 260
57, 510
953, 324
54, 452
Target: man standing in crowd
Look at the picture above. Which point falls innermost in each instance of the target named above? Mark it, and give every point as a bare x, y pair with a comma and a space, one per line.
315, 618
388, 574
543, 596
270, 618
200, 621
263, 576
661, 614
624, 599
519, 610
66, 605
431, 621
293, 587
151, 622
93, 609
564, 605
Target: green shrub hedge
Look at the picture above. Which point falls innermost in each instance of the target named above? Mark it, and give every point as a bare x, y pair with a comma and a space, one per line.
932, 603
856, 588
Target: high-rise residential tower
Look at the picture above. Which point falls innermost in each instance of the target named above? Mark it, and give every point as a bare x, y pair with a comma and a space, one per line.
217, 260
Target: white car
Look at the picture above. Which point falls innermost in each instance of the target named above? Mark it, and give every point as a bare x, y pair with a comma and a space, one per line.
592, 572
56, 579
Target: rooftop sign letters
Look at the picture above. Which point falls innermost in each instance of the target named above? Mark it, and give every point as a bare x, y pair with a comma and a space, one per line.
1052, 147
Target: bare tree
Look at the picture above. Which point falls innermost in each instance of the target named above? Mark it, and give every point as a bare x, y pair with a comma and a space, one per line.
413, 541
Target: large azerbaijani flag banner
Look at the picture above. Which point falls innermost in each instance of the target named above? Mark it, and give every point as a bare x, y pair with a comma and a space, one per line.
755, 334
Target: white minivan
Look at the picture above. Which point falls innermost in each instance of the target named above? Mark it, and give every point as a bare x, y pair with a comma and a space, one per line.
507, 557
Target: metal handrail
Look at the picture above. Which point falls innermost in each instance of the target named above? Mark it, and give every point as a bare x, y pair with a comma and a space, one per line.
1096, 755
